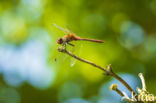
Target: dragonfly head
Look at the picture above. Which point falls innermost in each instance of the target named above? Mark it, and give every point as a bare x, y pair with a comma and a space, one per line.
60, 41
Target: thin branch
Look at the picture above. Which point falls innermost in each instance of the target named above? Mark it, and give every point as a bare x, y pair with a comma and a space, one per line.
108, 71
114, 87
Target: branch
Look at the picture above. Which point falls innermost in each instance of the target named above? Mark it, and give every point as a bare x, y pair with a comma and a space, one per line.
114, 87
108, 70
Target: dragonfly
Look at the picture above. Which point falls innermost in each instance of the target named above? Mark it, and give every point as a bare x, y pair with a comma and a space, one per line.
70, 36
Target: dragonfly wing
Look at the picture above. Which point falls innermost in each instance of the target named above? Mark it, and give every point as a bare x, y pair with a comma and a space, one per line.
57, 58
77, 51
62, 29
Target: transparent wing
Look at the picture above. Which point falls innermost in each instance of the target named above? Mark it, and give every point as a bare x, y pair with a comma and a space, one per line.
77, 51
62, 29
69, 29
57, 58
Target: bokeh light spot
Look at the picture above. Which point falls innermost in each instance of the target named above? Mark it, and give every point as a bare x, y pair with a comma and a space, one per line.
131, 35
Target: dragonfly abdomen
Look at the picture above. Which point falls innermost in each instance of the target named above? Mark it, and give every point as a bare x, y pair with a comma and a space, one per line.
92, 40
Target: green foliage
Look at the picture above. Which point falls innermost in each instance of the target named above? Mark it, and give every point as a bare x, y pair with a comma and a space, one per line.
126, 26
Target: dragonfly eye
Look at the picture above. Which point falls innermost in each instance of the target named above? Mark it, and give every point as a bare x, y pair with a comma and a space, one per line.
60, 41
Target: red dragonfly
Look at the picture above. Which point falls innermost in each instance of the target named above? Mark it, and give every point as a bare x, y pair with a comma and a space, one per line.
70, 36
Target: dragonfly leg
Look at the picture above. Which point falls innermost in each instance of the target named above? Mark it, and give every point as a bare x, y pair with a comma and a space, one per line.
71, 44
64, 45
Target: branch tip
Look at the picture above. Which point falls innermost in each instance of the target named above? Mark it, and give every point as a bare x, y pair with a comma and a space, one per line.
142, 81
113, 87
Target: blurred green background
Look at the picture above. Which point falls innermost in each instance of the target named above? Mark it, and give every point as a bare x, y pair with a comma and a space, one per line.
28, 71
